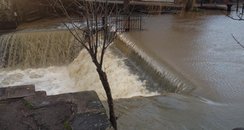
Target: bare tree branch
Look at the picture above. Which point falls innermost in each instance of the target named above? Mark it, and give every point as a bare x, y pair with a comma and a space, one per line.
96, 36
237, 41
233, 18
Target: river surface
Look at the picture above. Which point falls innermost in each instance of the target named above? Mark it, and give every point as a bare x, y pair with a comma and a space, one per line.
198, 49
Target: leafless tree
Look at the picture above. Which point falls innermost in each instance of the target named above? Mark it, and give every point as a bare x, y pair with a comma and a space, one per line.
93, 23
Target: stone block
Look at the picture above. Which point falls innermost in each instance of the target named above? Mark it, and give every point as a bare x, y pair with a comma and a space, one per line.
23, 108
17, 92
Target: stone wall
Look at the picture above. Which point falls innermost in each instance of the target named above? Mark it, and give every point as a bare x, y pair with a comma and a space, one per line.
29, 10
22, 10
6, 13
7, 20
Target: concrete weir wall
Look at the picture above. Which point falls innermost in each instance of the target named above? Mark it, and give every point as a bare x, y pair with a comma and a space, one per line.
6, 11
22, 10
28, 10
12, 12
23, 108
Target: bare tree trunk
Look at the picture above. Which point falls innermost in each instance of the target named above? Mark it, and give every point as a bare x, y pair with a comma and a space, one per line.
237, 5
94, 38
106, 86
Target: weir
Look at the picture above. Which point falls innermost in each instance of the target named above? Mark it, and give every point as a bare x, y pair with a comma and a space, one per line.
166, 78
37, 49
55, 63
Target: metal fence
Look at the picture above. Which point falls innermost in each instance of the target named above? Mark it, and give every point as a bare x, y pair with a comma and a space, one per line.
125, 23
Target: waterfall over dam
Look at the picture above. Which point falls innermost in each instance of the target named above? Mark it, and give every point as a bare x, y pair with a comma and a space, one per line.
37, 49
166, 78
56, 63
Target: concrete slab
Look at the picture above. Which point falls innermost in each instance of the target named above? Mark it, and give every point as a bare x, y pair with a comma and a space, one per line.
21, 110
17, 92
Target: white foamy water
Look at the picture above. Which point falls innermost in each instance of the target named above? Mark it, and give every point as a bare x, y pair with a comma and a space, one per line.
123, 82
80, 75
53, 80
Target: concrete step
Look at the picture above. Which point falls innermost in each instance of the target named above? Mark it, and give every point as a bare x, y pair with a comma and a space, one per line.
22, 108
17, 92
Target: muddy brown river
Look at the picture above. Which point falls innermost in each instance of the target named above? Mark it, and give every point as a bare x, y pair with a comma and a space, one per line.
200, 48
197, 52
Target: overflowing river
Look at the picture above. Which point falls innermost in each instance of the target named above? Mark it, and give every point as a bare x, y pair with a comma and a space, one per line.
201, 49
181, 73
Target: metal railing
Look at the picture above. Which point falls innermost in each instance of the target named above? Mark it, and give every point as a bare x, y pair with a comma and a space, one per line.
125, 23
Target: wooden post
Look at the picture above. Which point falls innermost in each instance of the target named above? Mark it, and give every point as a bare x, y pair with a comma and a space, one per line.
126, 11
229, 7
127, 29
126, 6
140, 22
237, 5
242, 11
103, 22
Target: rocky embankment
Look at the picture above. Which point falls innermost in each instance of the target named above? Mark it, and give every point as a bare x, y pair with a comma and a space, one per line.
23, 108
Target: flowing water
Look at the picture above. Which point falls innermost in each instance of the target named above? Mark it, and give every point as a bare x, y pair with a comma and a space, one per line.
201, 49
80, 75
37, 49
180, 73
58, 48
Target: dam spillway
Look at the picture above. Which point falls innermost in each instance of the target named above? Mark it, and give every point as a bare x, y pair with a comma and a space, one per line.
37, 49
54, 59
33, 55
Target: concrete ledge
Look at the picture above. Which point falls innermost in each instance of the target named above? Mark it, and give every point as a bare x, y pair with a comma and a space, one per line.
17, 92
7, 25
22, 108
